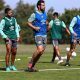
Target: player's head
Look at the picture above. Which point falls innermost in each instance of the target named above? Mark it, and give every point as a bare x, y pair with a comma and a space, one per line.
8, 12
41, 5
55, 15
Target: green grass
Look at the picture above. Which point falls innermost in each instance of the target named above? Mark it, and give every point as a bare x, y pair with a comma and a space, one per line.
25, 51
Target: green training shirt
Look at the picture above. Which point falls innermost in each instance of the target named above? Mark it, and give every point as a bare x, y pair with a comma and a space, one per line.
56, 28
9, 28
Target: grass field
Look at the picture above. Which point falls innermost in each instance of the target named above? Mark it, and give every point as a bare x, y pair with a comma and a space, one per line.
47, 70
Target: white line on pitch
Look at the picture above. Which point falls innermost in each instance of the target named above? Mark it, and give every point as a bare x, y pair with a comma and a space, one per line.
46, 70
59, 69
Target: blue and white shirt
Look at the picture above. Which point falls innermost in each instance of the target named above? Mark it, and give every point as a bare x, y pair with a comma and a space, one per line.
38, 19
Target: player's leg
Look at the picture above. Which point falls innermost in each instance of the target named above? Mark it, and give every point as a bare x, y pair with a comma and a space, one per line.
69, 54
36, 55
54, 55
13, 54
58, 54
56, 50
8, 52
40, 49
35, 58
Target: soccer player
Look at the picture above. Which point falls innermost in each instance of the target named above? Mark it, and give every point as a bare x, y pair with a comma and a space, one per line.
75, 36
10, 33
56, 26
38, 22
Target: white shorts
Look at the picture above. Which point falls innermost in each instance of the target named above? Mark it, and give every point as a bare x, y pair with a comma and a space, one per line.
55, 42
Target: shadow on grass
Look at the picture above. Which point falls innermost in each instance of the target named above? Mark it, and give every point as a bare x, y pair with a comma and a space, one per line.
44, 62
2, 69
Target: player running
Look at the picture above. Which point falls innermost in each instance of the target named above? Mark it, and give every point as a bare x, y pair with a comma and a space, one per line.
38, 22
56, 26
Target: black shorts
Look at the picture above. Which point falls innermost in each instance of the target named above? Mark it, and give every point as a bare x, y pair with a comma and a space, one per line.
12, 42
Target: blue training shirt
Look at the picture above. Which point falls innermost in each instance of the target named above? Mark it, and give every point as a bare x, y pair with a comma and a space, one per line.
76, 27
38, 19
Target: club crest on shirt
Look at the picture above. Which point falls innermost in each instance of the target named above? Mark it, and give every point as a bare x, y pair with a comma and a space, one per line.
11, 28
41, 16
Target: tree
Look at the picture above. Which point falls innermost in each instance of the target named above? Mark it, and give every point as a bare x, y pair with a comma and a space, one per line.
49, 14
69, 14
2, 4
22, 13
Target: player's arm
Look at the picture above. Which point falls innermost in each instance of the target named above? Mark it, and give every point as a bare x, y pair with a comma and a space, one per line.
2, 24
33, 27
48, 26
17, 30
30, 20
73, 22
67, 30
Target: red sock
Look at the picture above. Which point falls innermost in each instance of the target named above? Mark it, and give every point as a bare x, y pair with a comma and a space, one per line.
30, 65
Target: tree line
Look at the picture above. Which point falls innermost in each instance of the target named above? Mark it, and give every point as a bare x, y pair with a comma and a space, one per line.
24, 10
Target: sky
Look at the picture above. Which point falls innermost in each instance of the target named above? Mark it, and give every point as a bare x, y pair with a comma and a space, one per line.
58, 5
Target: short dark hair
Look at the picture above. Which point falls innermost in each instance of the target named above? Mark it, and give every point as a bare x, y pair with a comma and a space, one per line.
55, 14
39, 2
6, 10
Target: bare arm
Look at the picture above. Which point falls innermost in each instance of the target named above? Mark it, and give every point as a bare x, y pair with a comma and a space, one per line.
30, 20
64, 26
33, 27
67, 30
48, 26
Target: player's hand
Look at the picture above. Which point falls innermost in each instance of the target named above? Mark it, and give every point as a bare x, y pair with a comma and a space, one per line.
7, 39
37, 28
75, 34
18, 39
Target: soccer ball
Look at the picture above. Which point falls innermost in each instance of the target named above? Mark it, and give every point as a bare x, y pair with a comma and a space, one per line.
67, 49
73, 54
